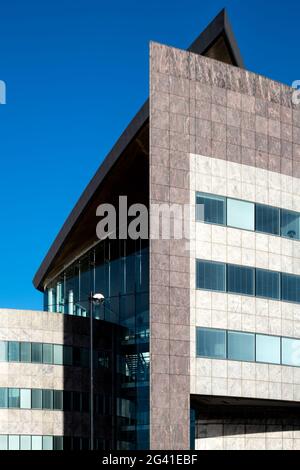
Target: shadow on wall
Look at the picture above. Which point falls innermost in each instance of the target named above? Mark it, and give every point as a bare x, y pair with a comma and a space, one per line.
76, 371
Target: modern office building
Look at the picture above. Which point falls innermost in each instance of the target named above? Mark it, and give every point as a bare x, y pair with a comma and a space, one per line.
197, 341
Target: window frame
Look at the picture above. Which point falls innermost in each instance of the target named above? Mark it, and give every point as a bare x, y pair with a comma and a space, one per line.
211, 196
220, 263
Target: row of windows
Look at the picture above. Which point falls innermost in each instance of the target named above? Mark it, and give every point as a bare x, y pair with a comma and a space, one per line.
27, 442
240, 346
59, 400
244, 280
56, 354
247, 215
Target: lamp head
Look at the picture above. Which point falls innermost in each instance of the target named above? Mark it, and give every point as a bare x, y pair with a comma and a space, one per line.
98, 298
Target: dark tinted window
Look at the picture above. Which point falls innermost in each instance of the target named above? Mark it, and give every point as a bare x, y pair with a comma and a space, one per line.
290, 224
267, 284
240, 279
211, 209
267, 219
210, 275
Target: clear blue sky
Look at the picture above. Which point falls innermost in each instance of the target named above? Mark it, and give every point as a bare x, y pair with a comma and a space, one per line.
76, 72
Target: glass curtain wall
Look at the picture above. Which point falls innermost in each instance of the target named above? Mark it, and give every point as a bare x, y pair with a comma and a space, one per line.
118, 269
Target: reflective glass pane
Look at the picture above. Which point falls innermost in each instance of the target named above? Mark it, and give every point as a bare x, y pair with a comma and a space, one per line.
210, 276
68, 355
58, 443
290, 351
3, 397
37, 352
14, 398
241, 346
37, 443
14, 351
240, 279
268, 349
58, 354
25, 442
47, 353
47, 443
240, 214
211, 343
25, 398
267, 284
14, 442
290, 224
57, 400
36, 399
3, 442
3, 351
25, 350
211, 209
267, 219
290, 287
48, 399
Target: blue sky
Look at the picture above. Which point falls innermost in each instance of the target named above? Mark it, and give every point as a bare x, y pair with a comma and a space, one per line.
76, 72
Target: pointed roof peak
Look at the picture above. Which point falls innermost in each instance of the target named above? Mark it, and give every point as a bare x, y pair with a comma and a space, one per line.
218, 41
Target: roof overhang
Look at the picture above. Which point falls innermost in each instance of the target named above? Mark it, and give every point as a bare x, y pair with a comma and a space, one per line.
216, 41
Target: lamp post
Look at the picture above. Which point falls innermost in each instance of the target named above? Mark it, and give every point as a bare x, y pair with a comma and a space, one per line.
94, 299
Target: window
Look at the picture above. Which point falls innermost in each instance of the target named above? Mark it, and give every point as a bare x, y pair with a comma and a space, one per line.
14, 351
3, 397
58, 354
290, 224
67, 398
76, 401
25, 442
68, 355
211, 343
3, 351
210, 275
47, 443
241, 346
14, 398
37, 352
267, 219
240, 279
25, 349
268, 349
14, 442
48, 399
47, 353
290, 287
37, 399
37, 443
3, 443
76, 357
58, 443
57, 400
25, 398
84, 357
290, 352
210, 209
267, 284
240, 214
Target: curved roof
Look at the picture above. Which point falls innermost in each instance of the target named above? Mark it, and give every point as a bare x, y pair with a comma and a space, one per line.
216, 41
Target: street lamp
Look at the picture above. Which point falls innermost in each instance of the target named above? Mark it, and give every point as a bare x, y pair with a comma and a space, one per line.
95, 299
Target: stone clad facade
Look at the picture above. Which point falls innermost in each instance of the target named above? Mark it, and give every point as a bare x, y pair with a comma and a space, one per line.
218, 129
